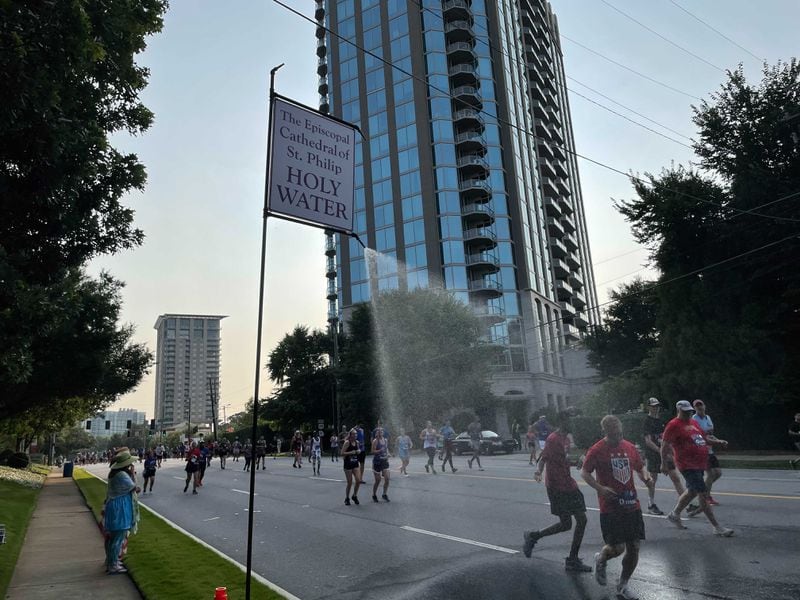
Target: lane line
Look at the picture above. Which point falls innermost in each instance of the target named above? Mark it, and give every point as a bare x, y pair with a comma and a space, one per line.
326, 479
458, 539
243, 492
273, 586
211, 519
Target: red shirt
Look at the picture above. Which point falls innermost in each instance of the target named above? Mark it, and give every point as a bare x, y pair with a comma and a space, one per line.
689, 441
554, 456
615, 466
193, 452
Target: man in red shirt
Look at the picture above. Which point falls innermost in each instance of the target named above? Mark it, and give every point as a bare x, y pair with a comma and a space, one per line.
614, 460
690, 446
566, 500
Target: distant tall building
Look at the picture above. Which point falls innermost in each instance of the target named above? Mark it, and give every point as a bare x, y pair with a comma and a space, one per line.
467, 175
187, 369
110, 422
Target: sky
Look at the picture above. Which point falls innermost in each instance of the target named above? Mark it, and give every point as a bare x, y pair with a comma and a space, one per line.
205, 153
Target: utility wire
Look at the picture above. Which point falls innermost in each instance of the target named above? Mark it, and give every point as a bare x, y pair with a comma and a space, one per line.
627, 68
717, 31
447, 94
666, 39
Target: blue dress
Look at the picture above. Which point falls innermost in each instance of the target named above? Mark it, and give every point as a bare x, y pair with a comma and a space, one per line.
119, 512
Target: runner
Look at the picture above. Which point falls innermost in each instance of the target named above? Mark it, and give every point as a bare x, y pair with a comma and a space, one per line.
362, 444
653, 428
350, 451
150, 465
222, 450
474, 430
448, 434
691, 455
380, 465
316, 452
404, 446
713, 470
614, 460
428, 437
247, 451
794, 435
307, 448
334, 441
531, 443
278, 445
236, 448
543, 429
193, 459
297, 450
261, 453
205, 458
159, 455
566, 500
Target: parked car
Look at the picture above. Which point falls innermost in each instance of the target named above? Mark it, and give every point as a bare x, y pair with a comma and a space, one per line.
491, 443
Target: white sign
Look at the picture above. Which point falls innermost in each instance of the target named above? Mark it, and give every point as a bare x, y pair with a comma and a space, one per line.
312, 167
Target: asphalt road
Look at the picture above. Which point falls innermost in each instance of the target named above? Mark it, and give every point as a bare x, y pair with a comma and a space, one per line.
309, 543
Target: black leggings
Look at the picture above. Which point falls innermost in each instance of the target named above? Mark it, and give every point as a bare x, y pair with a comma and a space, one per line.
431, 452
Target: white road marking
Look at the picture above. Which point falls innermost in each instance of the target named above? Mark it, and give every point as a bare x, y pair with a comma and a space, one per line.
178, 478
458, 539
644, 514
211, 519
326, 479
243, 491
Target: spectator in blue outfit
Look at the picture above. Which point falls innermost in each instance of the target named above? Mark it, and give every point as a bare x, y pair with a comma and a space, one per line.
121, 510
448, 435
543, 429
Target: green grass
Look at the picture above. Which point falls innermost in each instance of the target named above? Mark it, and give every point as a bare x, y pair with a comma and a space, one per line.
16, 507
166, 564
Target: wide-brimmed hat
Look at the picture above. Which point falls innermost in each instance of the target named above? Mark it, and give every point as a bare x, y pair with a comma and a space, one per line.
122, 460
653, 402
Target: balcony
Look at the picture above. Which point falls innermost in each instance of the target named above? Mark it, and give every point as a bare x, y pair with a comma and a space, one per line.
322, 88
560, 268
487, 286
546, 167
331, 295
564, 290
537, 90
322, 48
557, 248
461, 52
543, 130
458, 31
580, 321
579, 300
549, 186
571, 333
472, 165
330, 245
563, 187
330, 270
489, 313
561, 168
475, 189
568, 223
471, 141
552, 207
544, 148
467, 94
483, 262
468, 117
554, 228
566, 205
559, 152
322, 67
570, 242
536, 77
575, 280
567, 310
476, 214
573, 262
481, 235
557, 134
463, 74
456, 9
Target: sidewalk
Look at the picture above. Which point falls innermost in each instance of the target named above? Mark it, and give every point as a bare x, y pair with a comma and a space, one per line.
63, 554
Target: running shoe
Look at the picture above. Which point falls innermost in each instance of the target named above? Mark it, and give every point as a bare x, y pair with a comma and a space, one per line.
427, 470
530, 541
672, 517
454, 469
712, 502
194, 492
623, 591
347, 501
117, 569
576, 564
469, 462
186, 487
480, 468
355, 500
723, 531
693, 513
374, 498
692, 507
599, 569
386, 499
654, 510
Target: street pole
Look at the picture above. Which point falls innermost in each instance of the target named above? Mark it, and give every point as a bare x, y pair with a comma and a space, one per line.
259, 328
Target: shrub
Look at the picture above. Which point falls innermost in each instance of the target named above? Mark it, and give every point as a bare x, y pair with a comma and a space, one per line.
18, 460
586, 430
5, 455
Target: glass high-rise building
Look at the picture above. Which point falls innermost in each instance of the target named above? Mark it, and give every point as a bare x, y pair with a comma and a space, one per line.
187, 369
467, 174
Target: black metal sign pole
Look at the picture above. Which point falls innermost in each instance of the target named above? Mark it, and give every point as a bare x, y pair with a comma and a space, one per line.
254, 435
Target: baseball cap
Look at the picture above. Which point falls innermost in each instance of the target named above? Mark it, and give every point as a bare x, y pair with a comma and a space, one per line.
684, 405
653, 402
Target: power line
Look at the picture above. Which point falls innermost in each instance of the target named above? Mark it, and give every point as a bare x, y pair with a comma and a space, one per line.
627, 68
666, 39
447, 94
717, 31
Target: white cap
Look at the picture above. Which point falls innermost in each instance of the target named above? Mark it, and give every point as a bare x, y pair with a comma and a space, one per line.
684, 405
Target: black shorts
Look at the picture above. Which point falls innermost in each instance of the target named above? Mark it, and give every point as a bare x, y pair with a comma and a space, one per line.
622, 527
653, 461
192, 467
149, 473
713, 461
566, 503
694, 480
379, 465
362, 457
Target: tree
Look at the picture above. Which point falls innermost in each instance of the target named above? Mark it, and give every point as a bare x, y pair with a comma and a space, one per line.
72, 439
357, 375
68, 81
430, 357
725, 241
628, 333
